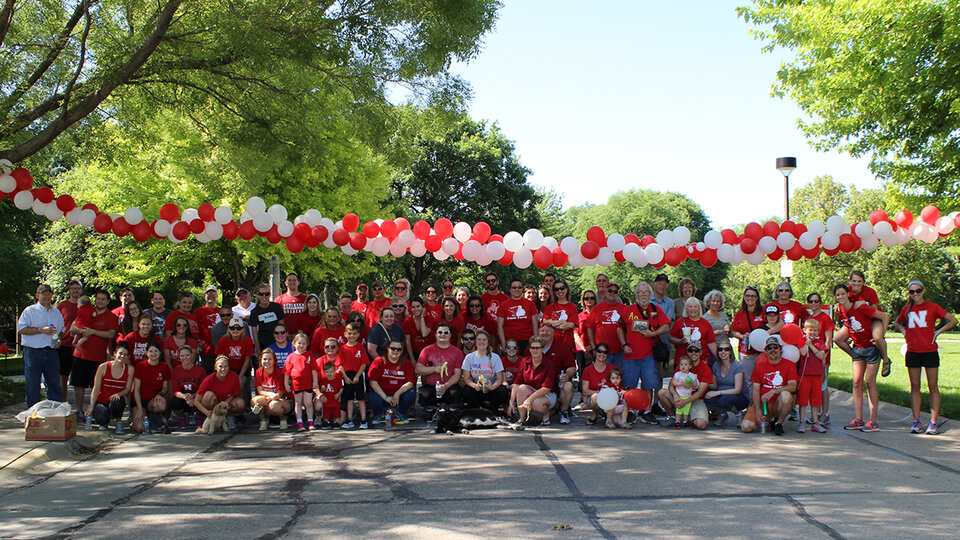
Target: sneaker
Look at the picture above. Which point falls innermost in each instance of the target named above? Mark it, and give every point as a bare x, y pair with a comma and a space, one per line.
231, 423
917, 427
817, 428
119, 429
677, 425
778, 429
183, 423
564, 417
399, 419
794, 414
377, 419
257, 408
739, 416
801, 427
428, 415
348, 425
264, 424
721, 420
625, 426
932, 429
856, 423
310, 425
610, 424
688, 424
364, 425
283, 424
668, 421
649, 418
335, 425
300, 426
825, 419
870, 427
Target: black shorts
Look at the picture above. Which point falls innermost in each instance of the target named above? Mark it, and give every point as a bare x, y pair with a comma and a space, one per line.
66, 359
354, 391
922, 359
83, 373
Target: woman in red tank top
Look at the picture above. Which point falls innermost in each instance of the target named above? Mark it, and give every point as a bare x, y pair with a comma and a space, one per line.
112, 384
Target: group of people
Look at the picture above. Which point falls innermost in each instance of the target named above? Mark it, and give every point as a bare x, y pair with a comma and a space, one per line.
528, 353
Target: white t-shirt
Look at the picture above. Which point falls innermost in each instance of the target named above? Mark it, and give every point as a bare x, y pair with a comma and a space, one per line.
477, 365
685, 383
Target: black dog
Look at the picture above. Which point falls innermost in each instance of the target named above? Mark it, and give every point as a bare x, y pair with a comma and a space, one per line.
451, 420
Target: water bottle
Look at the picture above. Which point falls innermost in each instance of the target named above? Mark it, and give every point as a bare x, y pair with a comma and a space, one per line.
388, 419
439, 389
765, 408
146, 425
89, 423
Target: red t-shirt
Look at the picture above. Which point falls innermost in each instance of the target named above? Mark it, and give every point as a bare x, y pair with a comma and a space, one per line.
771, 376
560, 356
320, 336
306, 323
920, 321
273, 382
491, 302
94, 348
330, 388
537, 377
352, 357
293, 308
372, 316
866, 294
810, 364
605, 319
517, 318
594, 377
120, 312
487, 323
236, 350
858, 321
187, 381
580, 332
138, 345
564, 313
620, 389
357, 306
110, 385
206, 317
417, 341
791, 312
699, 330
69, 311
300, 368
170, 325
745, 323
228, 387
434, 355
637, 321
436, 310
151, 379
170, 346
391, 376
510, 368
826, 324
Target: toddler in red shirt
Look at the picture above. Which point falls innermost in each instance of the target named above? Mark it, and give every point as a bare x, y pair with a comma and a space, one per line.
352, 366
85, 312
301, 380
328, 403
617, 416
813, 352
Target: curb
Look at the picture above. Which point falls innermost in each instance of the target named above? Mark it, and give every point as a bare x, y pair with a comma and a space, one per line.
74, 449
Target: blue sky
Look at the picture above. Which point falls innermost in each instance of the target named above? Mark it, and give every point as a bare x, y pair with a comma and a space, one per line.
612, 95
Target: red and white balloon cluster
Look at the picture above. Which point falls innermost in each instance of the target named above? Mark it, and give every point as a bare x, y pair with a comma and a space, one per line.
477, 243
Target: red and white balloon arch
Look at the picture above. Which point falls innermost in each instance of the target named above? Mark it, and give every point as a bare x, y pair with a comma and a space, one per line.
477, 243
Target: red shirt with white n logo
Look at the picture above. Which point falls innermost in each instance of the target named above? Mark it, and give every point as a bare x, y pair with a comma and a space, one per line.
920, 321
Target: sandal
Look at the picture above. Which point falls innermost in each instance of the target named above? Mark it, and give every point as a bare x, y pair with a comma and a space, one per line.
885, 371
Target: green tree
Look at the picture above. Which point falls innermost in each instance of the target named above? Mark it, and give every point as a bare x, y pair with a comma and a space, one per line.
874, 78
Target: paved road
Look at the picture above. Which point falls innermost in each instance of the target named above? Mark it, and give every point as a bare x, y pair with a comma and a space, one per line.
587, 482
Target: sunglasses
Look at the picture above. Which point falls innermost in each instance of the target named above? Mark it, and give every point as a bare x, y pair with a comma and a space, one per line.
613, 291
275, 332
915, 291
494, 280
602, 351
468, 338
516, 287
401, 306
534, 347
693, 349
263, 294
443, 332
771, 347
226, 315
560, 288
783, 290
814, 301
446, 286
328, 347
474, 305
724, 349
400, 288
511, 347
182, 325
239, 328
378, 287
589, 298
431, 292
396, 349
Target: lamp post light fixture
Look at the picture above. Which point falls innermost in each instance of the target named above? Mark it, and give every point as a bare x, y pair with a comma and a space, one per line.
786, 165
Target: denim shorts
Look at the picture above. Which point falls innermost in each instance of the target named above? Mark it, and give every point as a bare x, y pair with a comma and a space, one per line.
870, 355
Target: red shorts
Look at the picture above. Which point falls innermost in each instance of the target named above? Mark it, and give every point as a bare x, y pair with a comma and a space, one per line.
810, 391
330, 413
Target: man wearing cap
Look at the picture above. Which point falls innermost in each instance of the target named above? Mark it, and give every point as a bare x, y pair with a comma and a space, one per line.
208, 315
776, 380
360, 304
68, 308
293, 302
565, 366
379, 301
698, 409
40, 326
158, 310
243, 307
661, 300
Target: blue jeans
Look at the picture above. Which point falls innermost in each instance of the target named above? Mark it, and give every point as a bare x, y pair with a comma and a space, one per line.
43, 363
377, 404
616, 360
726, 402
637, 371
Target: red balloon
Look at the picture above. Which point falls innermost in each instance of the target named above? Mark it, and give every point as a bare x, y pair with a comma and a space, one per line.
66, 203
206, 212
795, 253
357, 241
142, 231
389, 229
708, 257
443, 228
801, 228
23, 178
181, 230
295, 244
748, 245
273, 235
776, 254
729, 236
120, 227
590, 249
507, 258
197, 226
402, 224
170, 212
791, 334
831, 252
559, 257
771, 228
693, 252
495, 238
319, 234
459, 254
371, 229
341, 237
632, 239
231, 230
481, 231
44, 195
849, 243
91, 206
618, 256
637, 399
753, 230
103, 223
543, 258
660, 264
929, 214
812, 252
675, 256
247, 230
433, 243
421, 230
302, 231
956, 220
877, 216
596, 234
4, 348
351, 222
789, 227
647, 240
904, 218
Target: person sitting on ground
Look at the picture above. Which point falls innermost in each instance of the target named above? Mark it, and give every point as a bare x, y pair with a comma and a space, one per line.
511, 361
112, 383
594, 377
271, 398
392, 383
533, 386
728, 391
221, 385
775, 380
562, 359
150, 385
698, 409
185, 380
482, 369
439, 370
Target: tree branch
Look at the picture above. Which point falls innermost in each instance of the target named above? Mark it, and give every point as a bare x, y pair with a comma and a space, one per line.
6, 15
83, 56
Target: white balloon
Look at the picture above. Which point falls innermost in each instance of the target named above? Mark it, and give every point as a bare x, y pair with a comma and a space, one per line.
52, 213
605, 257
496, 250
725, 253
758, 339
757, 256
738, 256
313, 217
213, 230
632, 251
245, 217
666, 239
786, 241
681, 235
945, 225
418, 249
616, 242
929, 234
380, 246
367, 244
39, 207
890, 240
277, 212
441, 255
713, 239
570, 245
285, 228
551, 243
472, 250
162, 227
189, 215
808, 240
329, 224
347, 249
766, 245
575, 259
903, 350
483, 259
790, 352
23, 200
462, 231
653, 252
450, 246
640, 260
522, 258
256, 205
223, 215
817, 228
329, 243
836, 224
7, 183
701, 246
607, 398
133, 215
903, 235
513, 241
863, 229
262, 222
73, 216
830, 240
202, 237
405, 238
869, 243
397, 249
533, 239
883, 229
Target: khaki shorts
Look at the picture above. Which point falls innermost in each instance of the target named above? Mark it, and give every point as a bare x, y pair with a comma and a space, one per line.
698, 410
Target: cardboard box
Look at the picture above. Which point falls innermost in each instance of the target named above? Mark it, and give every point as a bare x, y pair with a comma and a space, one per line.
51, 429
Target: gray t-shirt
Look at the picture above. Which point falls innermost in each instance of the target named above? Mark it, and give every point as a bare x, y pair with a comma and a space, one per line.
718, 323
730, 380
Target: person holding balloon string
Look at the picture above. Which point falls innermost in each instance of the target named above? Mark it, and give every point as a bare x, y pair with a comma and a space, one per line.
815, 312
859, 292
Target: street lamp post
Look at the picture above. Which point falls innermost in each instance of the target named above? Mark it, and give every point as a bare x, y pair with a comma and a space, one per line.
786, 165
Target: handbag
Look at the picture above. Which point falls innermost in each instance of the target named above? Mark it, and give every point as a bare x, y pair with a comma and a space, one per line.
661, 352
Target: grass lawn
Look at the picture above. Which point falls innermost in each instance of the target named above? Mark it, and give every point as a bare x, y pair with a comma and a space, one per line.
11, 365
896, 387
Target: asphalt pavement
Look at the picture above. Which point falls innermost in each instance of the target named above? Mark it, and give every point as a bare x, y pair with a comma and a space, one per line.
557, 481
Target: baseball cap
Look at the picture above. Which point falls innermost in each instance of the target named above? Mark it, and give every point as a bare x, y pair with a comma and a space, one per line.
211, 288
236, 323
362, 286
661, 277
772, 340
77, 281
43, 287
241, 290
694, 345
772, 309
